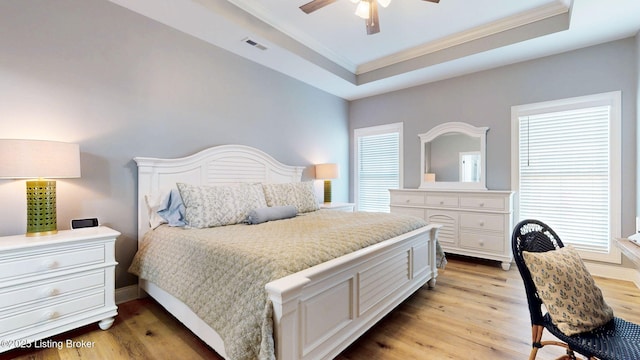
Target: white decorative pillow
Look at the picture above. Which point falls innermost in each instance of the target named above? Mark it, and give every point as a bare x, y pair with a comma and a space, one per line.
300, 194
165, 207
154, 201
209, 206
567, 290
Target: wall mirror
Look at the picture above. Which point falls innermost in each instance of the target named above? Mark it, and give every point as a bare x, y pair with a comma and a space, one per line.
453, 157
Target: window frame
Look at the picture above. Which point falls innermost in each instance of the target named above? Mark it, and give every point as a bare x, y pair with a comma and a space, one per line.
614, 100
370, 131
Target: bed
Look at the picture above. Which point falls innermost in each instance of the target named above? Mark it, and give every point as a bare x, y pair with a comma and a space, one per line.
310, 312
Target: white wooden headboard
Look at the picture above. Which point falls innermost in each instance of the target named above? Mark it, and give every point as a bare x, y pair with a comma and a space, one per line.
219, 165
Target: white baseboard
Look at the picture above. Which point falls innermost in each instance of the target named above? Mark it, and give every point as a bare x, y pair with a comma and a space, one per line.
126, 293
614, 272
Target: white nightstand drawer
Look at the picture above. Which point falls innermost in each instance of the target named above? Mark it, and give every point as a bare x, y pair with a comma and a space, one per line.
338, 206
483, 242
408, 199
442, 200
44, 262
33, 293
481, 221
482, 203
50, 284
52, 312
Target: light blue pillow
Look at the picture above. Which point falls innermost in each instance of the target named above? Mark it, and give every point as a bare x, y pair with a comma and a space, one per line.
258, 216
172, 209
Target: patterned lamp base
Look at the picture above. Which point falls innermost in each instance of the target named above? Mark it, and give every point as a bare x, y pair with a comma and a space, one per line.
327, 191
41, 208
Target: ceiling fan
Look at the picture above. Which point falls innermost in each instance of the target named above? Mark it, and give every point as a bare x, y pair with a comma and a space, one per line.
366, 9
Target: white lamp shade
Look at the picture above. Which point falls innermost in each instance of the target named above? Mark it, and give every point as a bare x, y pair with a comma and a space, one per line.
327, 171
28, 159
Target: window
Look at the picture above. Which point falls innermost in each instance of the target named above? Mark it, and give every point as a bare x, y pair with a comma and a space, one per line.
566, 170
378, 165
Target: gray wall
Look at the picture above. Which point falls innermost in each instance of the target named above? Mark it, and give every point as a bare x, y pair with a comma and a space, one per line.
121, 85
637, 152
485, 99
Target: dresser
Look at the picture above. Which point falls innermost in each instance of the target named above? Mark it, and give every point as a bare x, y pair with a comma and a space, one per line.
52, 284
474, 223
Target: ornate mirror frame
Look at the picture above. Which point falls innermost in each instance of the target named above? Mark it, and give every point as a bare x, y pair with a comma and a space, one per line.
426, 180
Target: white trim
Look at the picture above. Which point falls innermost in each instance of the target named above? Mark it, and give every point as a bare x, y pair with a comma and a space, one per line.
496, 27
126, 293
614, 272
613, 99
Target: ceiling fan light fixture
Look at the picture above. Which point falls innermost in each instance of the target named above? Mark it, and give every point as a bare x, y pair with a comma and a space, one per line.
384, 3
363, 9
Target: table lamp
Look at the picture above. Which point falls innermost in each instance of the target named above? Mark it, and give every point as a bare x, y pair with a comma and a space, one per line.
327, 172
36, 160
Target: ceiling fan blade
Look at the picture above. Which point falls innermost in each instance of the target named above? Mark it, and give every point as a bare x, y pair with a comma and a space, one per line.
433, 1
373, 26
315, 5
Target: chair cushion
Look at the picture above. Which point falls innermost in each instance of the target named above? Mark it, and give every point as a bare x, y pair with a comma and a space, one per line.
567, 290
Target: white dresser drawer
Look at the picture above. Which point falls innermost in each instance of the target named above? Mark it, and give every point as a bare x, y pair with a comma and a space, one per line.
407, 198
35, 263
51, 312
448, 233
483, 203
32, 293
417, 212
474, 222
482, 221
482, 242
442, 200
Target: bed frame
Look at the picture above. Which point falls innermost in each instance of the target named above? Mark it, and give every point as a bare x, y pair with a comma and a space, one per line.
318, 312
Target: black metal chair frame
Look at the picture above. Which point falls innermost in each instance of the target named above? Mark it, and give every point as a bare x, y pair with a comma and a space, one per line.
617, 340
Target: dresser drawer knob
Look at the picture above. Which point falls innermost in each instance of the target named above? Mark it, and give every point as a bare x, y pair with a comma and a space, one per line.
51, 264
441, 202
51, 292
408, 201
52, 315
481, 222
481, 242
481, 204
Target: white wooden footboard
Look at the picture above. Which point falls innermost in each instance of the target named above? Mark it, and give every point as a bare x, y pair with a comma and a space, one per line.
318, 312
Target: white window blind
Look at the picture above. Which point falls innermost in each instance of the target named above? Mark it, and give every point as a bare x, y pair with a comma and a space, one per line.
378, 166
564, 177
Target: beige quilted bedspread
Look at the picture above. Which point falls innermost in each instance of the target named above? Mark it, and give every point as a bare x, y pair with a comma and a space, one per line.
220, 272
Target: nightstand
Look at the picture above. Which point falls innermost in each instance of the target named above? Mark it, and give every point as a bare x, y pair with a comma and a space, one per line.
339, 206
52, 284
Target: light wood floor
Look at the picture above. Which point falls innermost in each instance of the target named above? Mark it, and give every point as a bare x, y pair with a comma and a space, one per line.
476, 311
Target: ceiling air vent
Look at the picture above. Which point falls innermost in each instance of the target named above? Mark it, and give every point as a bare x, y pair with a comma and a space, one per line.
254, 43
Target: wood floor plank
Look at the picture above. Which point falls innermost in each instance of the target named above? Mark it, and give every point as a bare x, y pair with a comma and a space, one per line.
476, 311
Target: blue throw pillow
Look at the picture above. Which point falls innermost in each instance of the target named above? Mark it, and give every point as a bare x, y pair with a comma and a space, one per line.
172, 209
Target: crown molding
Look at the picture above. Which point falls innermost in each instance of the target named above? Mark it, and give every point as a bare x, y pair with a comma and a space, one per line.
495, 27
